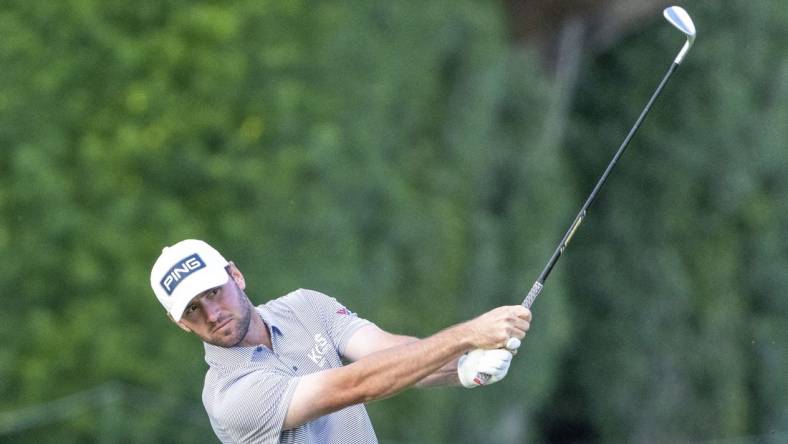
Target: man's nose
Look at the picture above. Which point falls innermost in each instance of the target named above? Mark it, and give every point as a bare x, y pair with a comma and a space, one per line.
212, 310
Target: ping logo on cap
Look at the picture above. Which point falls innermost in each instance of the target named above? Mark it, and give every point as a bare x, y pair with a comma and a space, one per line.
181, 271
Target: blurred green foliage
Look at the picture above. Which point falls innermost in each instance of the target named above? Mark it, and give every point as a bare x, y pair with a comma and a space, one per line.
403, 160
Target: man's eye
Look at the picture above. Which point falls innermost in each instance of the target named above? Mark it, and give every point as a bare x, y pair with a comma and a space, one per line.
191, 308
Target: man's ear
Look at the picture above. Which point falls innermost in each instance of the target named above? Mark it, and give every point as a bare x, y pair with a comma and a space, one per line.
236, 274
180, 324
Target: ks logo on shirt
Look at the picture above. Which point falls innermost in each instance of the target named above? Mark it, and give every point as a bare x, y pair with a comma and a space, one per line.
318, 352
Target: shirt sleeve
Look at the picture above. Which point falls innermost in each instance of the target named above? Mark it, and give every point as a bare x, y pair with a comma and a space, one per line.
256, 405
339, 321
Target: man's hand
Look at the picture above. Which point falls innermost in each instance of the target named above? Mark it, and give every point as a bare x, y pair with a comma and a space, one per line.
495, 328
491, 362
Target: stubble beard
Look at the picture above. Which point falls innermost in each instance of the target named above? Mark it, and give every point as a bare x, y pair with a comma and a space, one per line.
241, 326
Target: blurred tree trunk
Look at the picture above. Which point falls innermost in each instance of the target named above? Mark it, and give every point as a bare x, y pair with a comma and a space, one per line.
538, 22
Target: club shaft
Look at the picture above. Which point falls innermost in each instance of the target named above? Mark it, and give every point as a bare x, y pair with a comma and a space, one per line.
536, 289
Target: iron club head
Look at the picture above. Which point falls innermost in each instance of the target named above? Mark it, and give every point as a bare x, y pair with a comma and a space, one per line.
679, 18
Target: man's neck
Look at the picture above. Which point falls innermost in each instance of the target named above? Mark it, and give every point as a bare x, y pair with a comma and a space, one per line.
258, 332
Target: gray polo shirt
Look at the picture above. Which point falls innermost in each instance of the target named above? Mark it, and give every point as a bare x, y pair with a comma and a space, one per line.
248, 389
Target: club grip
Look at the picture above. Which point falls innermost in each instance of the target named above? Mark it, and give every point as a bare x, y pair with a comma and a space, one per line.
533, 294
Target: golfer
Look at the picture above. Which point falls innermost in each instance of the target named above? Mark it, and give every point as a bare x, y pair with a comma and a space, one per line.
276, 371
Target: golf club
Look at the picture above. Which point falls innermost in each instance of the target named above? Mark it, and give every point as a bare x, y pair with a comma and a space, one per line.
679, 18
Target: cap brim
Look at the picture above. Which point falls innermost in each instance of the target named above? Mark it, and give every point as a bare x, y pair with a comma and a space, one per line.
190, 288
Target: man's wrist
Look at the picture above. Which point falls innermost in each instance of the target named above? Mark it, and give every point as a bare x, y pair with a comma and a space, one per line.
464, 336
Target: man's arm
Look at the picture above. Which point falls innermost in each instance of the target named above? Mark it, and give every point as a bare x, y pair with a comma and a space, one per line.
383, 373
371, 338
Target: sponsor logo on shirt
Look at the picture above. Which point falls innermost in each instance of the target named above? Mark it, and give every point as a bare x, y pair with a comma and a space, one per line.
318, 352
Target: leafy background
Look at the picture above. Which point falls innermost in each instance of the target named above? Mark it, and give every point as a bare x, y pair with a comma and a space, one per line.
418, 163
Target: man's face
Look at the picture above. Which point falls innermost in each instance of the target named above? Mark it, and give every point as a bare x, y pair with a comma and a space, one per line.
221, 315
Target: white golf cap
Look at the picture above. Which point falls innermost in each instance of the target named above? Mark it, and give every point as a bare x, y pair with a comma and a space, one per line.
185, 270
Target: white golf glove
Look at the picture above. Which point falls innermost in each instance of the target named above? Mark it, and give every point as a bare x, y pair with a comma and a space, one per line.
490, 362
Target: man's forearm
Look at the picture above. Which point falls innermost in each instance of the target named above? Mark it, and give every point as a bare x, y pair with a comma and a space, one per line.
446, 375
424, 362
376, 376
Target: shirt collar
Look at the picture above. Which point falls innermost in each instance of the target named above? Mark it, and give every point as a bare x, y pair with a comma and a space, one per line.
270, 320
228, 356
